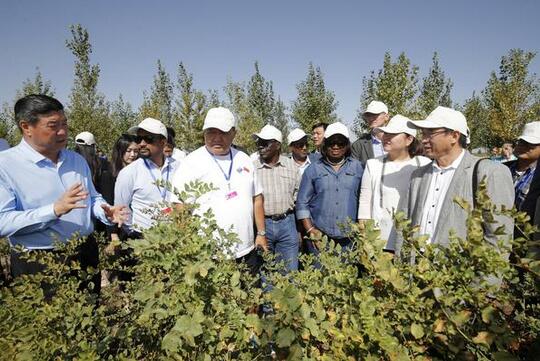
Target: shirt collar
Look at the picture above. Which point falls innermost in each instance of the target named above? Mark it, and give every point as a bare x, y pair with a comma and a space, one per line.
260, 164
35, 156
375, 140
452, 165
167, 163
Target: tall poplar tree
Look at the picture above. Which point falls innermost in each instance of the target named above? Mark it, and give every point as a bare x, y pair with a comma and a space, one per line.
435, 89
314, 102
190, 112
158, 103
88, 109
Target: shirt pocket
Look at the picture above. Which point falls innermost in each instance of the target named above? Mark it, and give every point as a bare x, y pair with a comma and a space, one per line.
321, 183
351, 181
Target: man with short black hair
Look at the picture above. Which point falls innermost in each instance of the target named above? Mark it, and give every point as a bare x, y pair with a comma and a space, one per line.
369, 145
137, 183
46, 191
317, 135
280, 179
430, 200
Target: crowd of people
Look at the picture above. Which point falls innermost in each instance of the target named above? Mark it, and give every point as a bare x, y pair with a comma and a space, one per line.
276, 202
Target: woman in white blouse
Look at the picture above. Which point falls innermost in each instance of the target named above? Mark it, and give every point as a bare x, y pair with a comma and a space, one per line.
386, 178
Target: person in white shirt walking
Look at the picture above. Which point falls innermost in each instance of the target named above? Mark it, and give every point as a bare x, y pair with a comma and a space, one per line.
386, 178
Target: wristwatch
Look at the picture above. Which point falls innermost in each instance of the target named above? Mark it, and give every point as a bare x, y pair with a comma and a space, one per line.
261, 233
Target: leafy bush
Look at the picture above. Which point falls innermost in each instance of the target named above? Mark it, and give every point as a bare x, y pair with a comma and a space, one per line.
189, 301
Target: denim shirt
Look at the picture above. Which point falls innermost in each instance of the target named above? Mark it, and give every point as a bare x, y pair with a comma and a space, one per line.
330, 198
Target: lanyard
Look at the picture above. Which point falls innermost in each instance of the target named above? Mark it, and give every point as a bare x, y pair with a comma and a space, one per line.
164, 191
385, 159
227, 176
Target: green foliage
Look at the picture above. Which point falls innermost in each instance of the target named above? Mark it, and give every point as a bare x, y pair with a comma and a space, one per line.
476, 115
435, 89
88, 110
188, 300
314, 102
512, 96
190, 112
8, 127
158, 104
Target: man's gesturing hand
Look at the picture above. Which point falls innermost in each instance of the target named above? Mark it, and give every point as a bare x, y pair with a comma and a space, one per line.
68, 200
116, 214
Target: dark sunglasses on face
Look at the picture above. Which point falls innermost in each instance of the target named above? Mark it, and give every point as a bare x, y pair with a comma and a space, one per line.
338, 143
264, 143
300, 144
524, 143
148, 139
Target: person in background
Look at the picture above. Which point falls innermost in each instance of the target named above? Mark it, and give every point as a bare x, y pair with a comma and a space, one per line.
280, 179
49, 196
298, 146
125, 151
386, 178
329, 190
507, 152
317, 136
525, 170
369, 145
170, 149
85, 145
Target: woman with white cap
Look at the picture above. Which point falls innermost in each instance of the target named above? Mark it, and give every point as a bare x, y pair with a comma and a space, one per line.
328, 195
386, 178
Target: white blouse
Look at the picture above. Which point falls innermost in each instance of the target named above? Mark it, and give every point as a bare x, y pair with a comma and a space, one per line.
380, 201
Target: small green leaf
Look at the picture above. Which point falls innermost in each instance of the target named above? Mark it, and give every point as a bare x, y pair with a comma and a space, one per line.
417, 331
285, 337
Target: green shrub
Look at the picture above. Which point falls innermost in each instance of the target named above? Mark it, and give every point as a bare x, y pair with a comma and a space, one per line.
189, 301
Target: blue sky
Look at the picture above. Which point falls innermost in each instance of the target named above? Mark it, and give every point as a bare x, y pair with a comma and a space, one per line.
221, 39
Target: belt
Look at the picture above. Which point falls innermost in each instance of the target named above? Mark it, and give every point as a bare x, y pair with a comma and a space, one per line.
279, 217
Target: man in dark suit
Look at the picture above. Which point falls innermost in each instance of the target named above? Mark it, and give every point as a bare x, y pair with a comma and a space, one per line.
369, 145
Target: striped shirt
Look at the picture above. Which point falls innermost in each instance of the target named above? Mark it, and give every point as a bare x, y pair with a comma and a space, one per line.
280, 185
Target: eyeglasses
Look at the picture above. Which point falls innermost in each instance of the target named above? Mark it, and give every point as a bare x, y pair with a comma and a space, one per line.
428, 134
148, 139
263, 143
300, 144
339, 144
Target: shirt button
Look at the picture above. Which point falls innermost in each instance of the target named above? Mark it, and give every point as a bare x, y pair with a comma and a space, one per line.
433, 205
441, 173
337, 203
436, 189
429, 222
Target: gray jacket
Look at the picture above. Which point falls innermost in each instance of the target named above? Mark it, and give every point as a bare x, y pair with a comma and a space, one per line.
362, 149
500, 189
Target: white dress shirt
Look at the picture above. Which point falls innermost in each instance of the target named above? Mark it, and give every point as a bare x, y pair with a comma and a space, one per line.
440, 181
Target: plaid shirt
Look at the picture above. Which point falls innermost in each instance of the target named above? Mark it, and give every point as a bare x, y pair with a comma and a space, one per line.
280, 185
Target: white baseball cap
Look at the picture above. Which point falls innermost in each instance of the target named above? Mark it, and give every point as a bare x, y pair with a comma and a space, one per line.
376, 107
531, 133
85, 138
443, 117
295, 135
269, 132
399, 124
220, 118
336, 128
151, 125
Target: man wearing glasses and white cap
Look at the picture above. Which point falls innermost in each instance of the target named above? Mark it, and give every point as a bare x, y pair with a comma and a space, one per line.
137, 183
237, 200
280, 179
433, 187
369, 145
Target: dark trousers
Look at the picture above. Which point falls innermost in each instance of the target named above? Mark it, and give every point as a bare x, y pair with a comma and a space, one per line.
87, 255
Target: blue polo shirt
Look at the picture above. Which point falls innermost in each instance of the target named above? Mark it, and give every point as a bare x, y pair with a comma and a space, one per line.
30, 183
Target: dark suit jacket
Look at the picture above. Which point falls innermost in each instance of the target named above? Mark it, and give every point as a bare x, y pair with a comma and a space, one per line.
529, 204
362, 149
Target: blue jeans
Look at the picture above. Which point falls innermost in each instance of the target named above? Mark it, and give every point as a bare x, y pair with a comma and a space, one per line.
283, 240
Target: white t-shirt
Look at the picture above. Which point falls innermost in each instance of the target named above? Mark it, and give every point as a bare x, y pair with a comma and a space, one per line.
397, 176
232, 202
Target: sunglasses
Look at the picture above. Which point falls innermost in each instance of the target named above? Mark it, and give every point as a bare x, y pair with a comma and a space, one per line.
264, 143
300, 144
339, 143
148, 139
